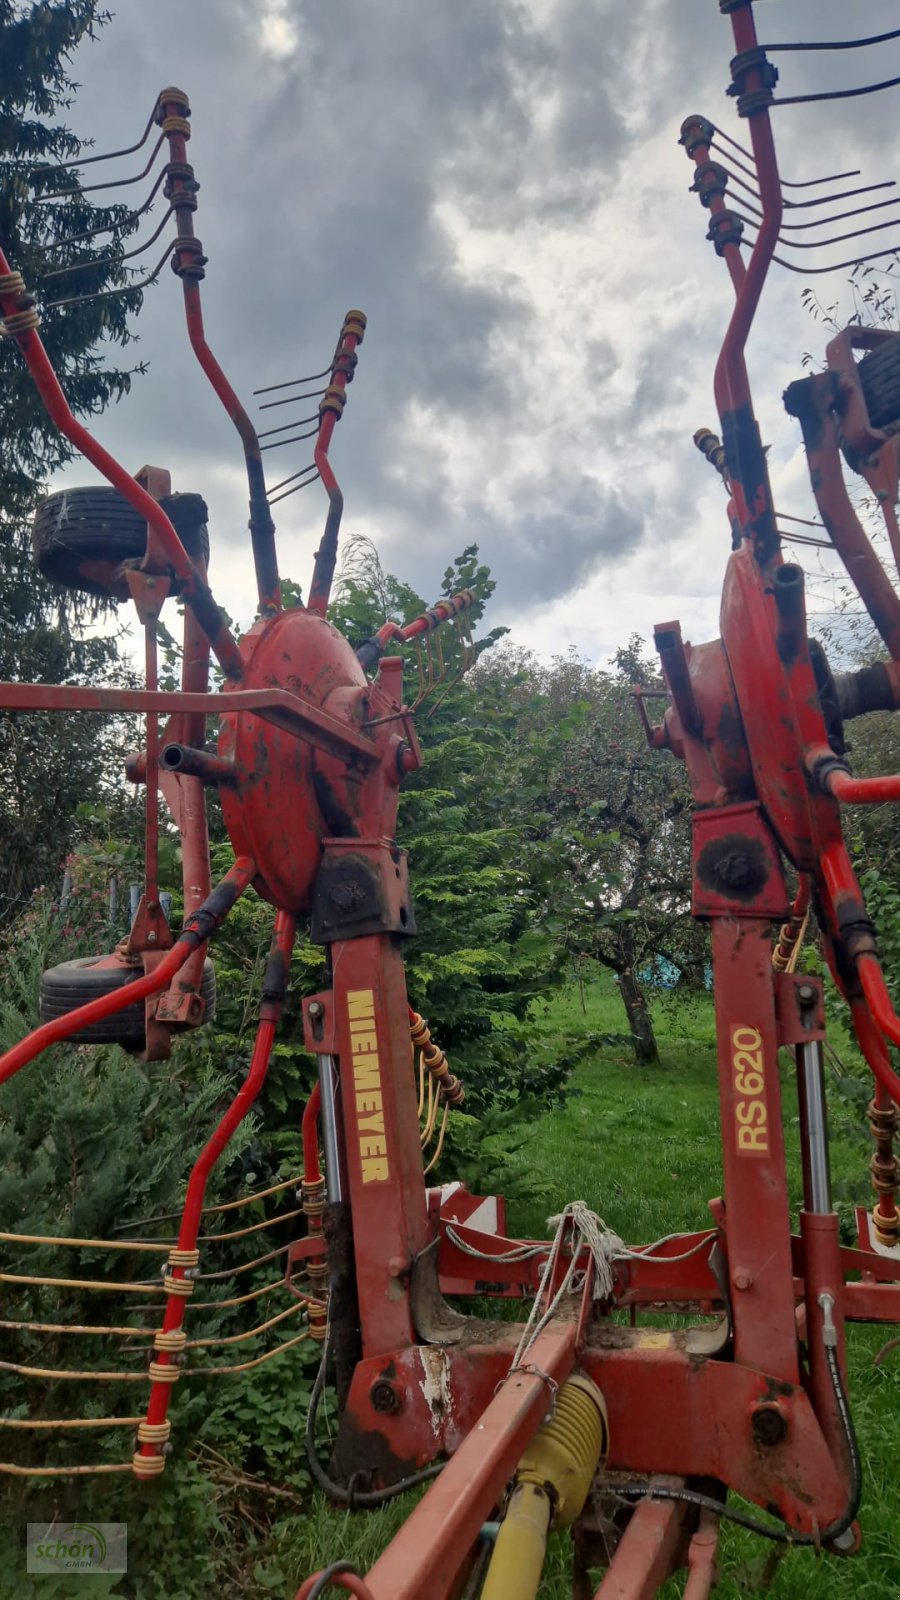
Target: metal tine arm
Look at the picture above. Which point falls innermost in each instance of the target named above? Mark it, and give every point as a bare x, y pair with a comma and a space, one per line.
110, 227
837, 44
836, 94
298, 422
289, 399
331, 407
295, 439
786, 183
107, 261
189, 262
280, 485
91, 188
274, 499
107, 155
292, 383
108, 294
804, 205
821, 244
803, 227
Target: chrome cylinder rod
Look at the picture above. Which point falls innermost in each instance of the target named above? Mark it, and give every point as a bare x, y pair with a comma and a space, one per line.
328, 1124
813, 1127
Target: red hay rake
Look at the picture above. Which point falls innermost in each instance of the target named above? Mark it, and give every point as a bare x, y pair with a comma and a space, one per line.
634, 1434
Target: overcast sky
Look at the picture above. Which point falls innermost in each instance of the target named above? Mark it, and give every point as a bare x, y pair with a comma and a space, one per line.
499, 186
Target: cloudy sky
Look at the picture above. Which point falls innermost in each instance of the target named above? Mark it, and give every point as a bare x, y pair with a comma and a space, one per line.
498, 185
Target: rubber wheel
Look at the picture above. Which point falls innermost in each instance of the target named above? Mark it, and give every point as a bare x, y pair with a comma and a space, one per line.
80, 537
74, 983
879, 374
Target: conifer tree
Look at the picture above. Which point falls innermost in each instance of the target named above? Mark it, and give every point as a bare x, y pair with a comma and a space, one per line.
48, 763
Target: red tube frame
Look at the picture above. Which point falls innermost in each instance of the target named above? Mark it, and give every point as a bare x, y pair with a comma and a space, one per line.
283, 935
196, 592
237, 879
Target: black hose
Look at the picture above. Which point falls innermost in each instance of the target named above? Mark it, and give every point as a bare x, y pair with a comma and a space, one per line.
363, 1499
323, 1581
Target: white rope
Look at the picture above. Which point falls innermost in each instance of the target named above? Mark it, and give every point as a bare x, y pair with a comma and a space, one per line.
647, 1253
523, 1252
589, 1232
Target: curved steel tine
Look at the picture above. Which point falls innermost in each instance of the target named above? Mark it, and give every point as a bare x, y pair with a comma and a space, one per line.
295, 440
91, 188
290, 399
298, 422
293, 475
808, 183
108, 294
273, 500
107, 261
292, 383
110, 227
108, 155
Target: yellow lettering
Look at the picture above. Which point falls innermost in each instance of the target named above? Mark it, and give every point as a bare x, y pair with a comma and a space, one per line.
749, 1082
367, 1086
374, 1171
754, 1139
750, 1112
365, 1073
360, 1003
746, 1038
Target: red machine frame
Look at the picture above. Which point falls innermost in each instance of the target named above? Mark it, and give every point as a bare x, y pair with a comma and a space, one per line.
753, 1397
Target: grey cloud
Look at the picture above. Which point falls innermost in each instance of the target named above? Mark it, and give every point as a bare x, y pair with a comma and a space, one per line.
322, 176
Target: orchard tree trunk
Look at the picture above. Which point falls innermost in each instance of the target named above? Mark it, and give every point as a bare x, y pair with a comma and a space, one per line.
640, 1022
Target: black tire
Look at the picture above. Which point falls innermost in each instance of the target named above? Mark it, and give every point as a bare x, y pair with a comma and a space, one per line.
80, 537
879, 374
74, 983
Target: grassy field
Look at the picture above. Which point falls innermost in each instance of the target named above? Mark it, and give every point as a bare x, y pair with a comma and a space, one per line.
590, 1150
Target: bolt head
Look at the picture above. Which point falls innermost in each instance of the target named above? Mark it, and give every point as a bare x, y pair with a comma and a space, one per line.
151, 937
769, 1425
316, 1008
742, 1279
384, 1397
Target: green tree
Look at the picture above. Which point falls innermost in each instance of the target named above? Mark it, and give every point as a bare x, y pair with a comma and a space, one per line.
608, 822
48, 764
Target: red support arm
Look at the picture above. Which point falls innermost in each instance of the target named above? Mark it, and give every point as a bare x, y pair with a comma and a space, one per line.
196, 592
197, 930
166, 1348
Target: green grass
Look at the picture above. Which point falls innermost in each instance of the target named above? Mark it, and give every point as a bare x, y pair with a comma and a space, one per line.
641, 1146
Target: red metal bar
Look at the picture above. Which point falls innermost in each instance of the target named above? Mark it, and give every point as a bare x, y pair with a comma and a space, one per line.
821, 438
876, 992
151, 779
753, 499
184, 795
648, 1552
233, 884
385, 1180
326, 555
701, 1560
311, 1170
274, 985
759, 1230
196, 591
278, 706
862, 791
425, 1557
188, 262
430, 619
